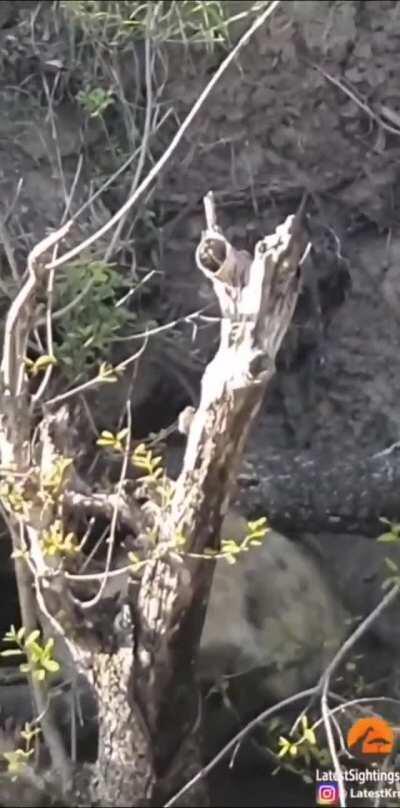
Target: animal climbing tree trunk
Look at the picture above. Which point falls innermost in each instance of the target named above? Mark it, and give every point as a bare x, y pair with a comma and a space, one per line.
137, 649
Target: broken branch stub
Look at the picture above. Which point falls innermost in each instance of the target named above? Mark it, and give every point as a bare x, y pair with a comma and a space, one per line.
257, 298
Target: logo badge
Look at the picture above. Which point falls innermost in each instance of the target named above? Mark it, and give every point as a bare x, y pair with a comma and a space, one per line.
328, 794
371, 739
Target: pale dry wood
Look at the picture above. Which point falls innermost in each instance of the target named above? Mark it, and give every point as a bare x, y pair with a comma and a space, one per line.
138, 654
257, 299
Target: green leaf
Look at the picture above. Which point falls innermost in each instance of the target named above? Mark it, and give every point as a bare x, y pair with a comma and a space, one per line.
12, 652
106, 442
35, 652
388, 538
51, 665
388, 582
49, 646
33, 636
286, 746
44, 361
309, 736
391, 565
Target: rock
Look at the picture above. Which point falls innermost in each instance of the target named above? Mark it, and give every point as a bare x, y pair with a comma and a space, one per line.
40, 137
274, 611
358, 569
6, 13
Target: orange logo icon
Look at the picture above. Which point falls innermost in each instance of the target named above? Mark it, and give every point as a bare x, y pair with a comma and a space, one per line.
371, 738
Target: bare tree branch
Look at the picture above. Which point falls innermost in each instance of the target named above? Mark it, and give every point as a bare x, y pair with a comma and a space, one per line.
159, 165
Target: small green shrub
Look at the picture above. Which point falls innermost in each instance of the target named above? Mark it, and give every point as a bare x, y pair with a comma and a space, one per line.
86, 330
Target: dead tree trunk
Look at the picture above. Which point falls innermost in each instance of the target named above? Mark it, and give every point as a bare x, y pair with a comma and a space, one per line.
137, 650
257, 300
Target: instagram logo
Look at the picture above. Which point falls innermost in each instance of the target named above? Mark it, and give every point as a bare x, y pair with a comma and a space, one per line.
328, 794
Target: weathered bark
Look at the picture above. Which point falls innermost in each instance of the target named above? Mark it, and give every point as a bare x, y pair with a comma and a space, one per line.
257, 300
137, 651
313, 493
124, 771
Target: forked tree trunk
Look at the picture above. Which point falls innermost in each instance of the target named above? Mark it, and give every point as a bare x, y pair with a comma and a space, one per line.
139, 654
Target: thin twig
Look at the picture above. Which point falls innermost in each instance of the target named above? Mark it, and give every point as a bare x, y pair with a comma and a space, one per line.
99, 576
49, 336
210, 211
50, 283
13, 204
5, 290
311, 693
150, 332
135, 288
361, 629
13, 381
94, 549
71, 194
89, 604
8, 249
393, 130
55, 137
96, 380
331, 744
4, 237
145, 136
201, 775
324, 683
51, 734
89, 202
57, 315
159, 165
